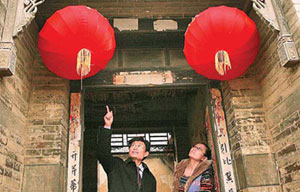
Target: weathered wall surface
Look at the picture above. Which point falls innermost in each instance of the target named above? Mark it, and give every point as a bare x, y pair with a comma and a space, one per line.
33, 121
281, 93
47, 125
262, 109
14, 105
249, 137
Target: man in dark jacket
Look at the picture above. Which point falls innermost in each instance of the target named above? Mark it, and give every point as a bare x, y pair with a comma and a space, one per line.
131, 175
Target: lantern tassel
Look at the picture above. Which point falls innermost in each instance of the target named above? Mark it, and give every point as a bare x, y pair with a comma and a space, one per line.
83, 66
222, 62
83, 62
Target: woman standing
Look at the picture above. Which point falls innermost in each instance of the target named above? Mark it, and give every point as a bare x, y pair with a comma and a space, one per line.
195, 173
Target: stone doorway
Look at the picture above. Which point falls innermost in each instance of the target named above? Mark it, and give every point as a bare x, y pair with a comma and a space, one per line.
177, 110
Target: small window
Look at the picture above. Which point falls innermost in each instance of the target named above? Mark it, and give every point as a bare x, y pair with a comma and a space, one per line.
160, 142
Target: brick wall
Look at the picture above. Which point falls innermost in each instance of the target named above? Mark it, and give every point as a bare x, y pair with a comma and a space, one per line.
262, 108
281, 92
14, 104
34, 106
48, 116
47, 125
250, 138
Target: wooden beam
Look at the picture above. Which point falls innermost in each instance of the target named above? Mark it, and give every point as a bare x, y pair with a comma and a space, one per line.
149, 39
138, 124
104, 79
136, 104
141, 130
145, 117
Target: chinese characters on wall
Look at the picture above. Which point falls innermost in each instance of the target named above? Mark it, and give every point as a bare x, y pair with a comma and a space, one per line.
222, 143
74, 144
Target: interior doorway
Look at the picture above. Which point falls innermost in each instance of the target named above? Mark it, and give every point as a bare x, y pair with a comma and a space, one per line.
172, 118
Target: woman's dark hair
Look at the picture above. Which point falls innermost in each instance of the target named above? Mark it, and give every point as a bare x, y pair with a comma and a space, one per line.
208, 151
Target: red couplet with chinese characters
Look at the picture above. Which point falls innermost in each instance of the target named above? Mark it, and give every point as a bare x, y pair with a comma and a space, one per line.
76, 42
221, 43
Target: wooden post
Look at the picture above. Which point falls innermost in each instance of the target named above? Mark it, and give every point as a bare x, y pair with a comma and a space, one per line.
75, 144
222, 142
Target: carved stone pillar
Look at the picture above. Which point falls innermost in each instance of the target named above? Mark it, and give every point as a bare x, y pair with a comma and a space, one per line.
271, 11
7, 58
26, 11
7, 47
19, 14
286, 47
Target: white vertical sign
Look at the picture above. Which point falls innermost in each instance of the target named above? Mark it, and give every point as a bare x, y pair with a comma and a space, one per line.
220, 130
74, 144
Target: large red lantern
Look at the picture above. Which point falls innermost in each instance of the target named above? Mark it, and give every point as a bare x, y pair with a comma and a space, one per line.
221, 43
76, 42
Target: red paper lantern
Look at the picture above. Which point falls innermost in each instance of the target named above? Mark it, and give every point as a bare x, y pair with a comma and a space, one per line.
221, 43
76, 42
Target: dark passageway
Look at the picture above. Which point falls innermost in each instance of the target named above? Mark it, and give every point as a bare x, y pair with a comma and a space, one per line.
136, 110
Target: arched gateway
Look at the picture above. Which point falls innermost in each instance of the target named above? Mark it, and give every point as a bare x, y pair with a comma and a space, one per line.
251, 123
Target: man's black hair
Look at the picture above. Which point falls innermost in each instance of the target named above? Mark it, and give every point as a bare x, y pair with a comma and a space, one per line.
147, 143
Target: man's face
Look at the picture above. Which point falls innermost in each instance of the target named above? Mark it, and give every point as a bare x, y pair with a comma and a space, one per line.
138, 151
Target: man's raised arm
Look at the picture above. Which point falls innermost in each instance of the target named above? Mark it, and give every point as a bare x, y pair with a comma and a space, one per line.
104, 142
